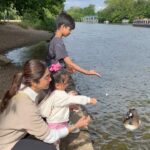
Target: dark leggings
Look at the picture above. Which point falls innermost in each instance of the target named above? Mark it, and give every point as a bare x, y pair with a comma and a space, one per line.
33, 144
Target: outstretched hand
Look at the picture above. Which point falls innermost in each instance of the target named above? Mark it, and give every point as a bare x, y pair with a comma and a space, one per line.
82, 122
93, 101
93, 72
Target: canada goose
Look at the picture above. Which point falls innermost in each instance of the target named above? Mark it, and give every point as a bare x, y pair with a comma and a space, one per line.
131, 120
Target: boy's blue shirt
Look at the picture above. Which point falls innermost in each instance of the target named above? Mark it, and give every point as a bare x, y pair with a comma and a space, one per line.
57, 52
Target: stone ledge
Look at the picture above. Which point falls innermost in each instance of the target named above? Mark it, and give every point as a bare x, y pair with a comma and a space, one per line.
4, 60
77, 141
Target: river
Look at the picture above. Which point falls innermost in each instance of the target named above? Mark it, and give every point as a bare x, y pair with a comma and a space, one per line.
122, 54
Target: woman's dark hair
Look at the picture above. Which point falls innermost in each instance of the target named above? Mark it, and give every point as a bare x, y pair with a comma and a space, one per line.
59, 77
33, 71
66, 20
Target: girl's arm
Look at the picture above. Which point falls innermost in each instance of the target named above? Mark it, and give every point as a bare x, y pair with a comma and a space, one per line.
75, 67
64, 99
82, 122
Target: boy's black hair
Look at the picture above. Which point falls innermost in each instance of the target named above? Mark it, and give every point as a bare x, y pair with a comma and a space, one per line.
66, 20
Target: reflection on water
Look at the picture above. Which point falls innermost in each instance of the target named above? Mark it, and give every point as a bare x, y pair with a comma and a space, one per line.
122, 54
21, 55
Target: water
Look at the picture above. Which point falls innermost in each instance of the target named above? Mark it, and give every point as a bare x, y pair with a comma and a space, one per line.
122, 54
20, 55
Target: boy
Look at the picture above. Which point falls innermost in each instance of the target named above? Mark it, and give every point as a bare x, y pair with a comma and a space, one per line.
58, 57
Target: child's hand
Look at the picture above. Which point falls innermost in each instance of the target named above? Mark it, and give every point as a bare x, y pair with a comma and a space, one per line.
93, 101
83, 122
93, 72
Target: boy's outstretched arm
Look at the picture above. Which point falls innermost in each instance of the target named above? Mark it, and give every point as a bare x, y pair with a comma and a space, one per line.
75, 67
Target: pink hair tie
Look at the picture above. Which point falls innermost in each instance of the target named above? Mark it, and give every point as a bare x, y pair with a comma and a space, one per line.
55, 67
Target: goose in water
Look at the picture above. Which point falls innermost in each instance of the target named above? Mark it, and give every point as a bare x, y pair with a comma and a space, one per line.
131, 120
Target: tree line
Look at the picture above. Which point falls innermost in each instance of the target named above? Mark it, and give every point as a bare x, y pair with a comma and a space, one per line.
115, 10
77, 13
42, 13
38, 13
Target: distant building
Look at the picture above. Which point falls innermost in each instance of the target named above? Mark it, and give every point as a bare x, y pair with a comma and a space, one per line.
142, 22
90, 19
125, 21
106, 22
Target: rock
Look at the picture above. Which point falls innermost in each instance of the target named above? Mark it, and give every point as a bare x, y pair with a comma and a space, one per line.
4, 60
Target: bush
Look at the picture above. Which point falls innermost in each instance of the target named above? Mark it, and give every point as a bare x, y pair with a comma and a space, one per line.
32, 20
48, 24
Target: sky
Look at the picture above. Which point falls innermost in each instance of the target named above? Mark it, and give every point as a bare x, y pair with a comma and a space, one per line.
99, 4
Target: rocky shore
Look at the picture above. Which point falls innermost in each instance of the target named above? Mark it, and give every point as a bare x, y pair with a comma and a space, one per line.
12, 36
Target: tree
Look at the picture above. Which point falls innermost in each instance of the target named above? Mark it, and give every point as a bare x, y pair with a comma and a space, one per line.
77, 13
147, 10
33, 6
88, 11
36, 13
116, 10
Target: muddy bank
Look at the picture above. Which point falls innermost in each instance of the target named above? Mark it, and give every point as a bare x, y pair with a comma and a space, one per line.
12, 36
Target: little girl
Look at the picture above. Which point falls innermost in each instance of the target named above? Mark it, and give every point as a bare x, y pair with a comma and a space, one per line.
55, 108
